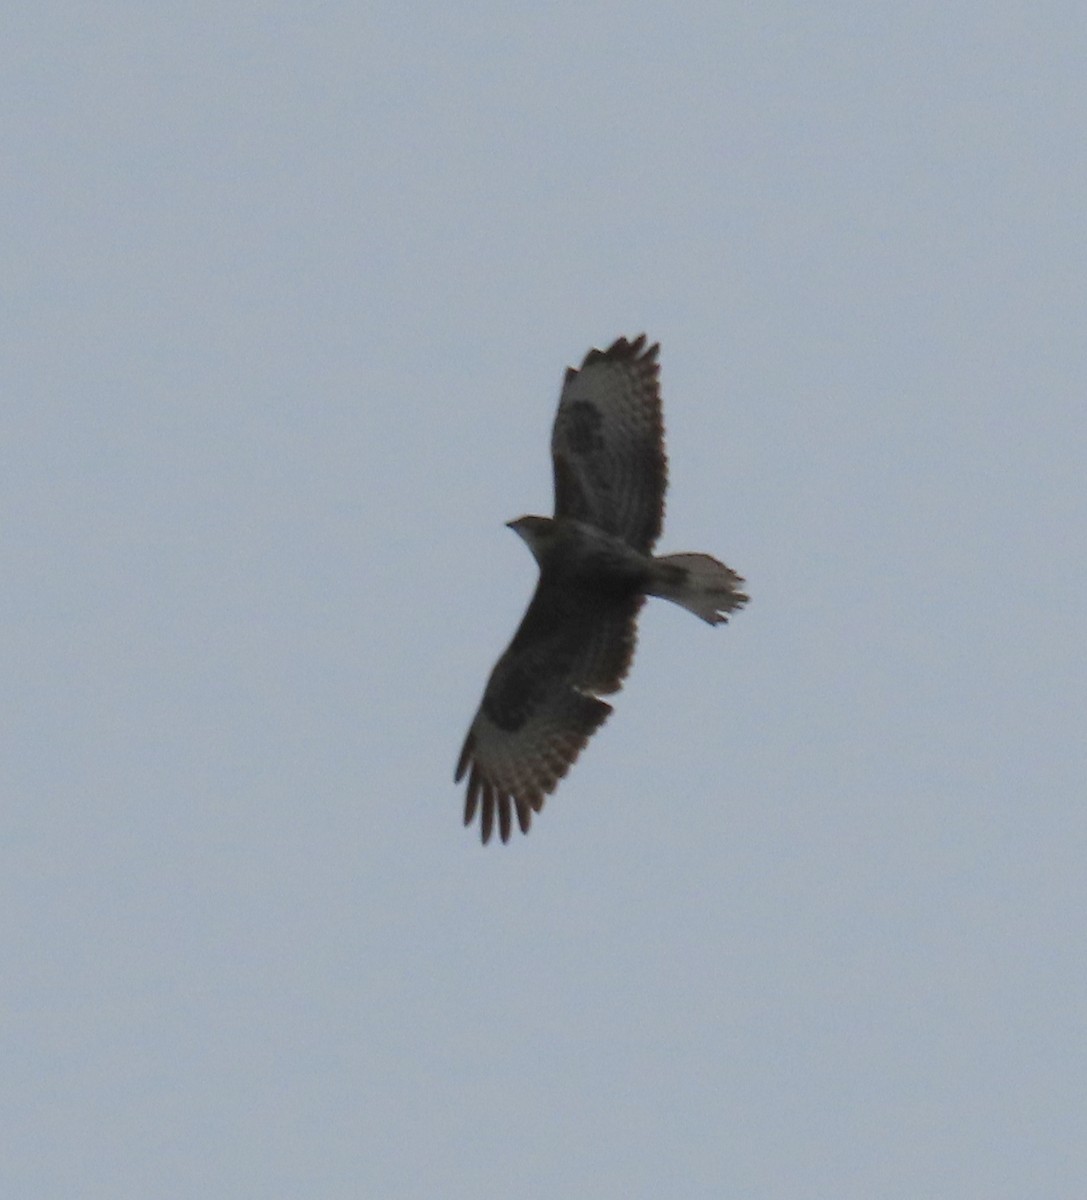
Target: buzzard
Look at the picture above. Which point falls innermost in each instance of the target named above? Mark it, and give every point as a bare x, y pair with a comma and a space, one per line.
576, 640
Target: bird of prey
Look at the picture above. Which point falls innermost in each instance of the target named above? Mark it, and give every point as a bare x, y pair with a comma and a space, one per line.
542, 702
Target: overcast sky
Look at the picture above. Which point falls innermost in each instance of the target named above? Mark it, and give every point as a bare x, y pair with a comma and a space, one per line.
288, 293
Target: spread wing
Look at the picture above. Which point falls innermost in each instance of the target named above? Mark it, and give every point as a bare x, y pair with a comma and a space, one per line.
608, 443
541, 702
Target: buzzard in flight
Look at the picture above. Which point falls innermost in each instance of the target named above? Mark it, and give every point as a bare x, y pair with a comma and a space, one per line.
575, 643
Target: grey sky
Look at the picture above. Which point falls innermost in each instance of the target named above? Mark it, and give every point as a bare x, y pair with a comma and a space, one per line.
288, 294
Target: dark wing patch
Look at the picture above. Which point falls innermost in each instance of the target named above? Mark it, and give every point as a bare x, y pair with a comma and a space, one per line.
607, 444
584, 428
541, 705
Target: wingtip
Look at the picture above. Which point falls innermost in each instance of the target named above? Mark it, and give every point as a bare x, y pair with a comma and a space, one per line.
623, 349
496, 807
635, 347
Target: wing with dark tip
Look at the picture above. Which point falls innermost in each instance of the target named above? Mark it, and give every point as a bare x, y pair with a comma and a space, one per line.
541, 704
607, 445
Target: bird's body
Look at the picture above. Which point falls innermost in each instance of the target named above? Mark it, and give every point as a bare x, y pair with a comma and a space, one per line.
576, 640
582, 555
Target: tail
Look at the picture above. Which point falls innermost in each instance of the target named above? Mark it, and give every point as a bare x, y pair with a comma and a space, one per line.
699, 583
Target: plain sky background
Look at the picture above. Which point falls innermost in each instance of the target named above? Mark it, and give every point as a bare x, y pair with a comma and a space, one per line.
288, 291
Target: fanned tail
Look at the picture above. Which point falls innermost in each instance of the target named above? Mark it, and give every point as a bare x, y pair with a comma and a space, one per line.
699, 583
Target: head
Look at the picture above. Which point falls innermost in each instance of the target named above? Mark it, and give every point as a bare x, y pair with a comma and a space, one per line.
538, 533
